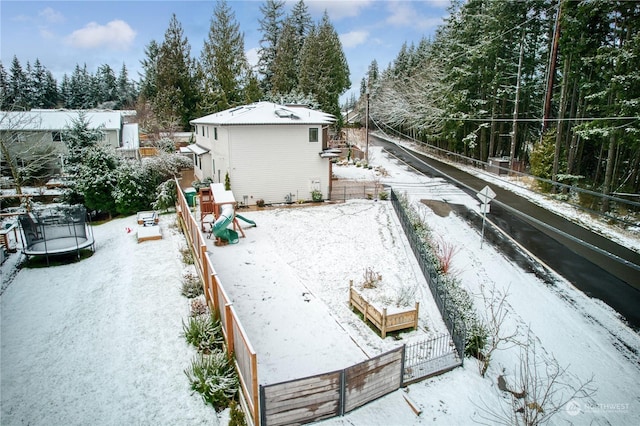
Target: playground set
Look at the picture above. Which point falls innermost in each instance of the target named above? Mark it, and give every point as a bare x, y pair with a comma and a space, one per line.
218, 210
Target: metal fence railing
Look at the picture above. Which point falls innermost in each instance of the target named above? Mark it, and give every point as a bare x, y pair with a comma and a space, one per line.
450, 315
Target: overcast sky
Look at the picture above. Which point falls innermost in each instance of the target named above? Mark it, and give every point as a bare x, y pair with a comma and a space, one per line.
65, 33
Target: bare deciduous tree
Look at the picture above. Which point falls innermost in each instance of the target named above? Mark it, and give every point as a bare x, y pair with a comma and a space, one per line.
494, 316
28, 156
539, 389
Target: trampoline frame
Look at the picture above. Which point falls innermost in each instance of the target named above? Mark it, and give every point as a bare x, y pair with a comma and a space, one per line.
39, 221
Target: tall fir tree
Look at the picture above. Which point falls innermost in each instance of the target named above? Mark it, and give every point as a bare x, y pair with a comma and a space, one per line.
324, 71
18, 86
285, 65
4, 89
177, 98
223, 61
149, 75
271, 25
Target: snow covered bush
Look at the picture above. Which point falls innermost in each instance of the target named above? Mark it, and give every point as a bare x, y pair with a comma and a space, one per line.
191, 286
199, 307
97, 178
214, 377
204, 332
166, 196
135, 190
236, 415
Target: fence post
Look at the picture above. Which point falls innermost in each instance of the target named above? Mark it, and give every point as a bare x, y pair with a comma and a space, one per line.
404, 354
254, 385
343, 386
384, 322
263, 411
229, 323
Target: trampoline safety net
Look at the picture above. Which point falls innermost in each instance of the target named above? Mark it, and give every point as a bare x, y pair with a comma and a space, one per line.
55, 230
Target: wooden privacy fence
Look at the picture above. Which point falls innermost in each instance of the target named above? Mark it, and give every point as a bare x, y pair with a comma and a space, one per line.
383, 321
331, 394
236, 339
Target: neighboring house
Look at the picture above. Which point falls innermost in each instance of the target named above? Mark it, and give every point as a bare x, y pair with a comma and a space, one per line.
271, 152
39, 129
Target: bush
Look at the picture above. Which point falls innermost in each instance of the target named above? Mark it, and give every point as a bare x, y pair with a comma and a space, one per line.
260, 203
316, 196
192, 286
166, 197
383, 195
187, 256
203, 332
214, 377
199, 307
476, 341
236, 415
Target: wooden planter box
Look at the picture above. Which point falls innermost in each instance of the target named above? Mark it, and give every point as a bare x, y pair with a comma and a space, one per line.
382, 320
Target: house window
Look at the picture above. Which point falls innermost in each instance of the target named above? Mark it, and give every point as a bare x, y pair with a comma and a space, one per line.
313, 134
215, 133
202, 130
56, 136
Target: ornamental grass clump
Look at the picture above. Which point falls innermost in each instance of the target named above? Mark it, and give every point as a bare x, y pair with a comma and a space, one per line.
192, 286
203, 332
214, 377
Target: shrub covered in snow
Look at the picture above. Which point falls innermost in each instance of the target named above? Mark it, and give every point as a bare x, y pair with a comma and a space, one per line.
214, 377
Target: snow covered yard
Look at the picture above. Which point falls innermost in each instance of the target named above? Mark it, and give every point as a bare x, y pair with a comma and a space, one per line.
100, 341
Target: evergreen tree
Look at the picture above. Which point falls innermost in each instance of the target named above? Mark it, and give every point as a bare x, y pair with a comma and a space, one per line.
18, 86
271, 25
81, 89
223, 61
177, 98
4, 89
79, 140
97, 178
324, 70
65, 92
125, 90
105, 86
285, 64
149, 77
253, 92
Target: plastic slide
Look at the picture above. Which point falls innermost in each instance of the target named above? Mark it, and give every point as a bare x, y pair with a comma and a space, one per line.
249, 221
220, 229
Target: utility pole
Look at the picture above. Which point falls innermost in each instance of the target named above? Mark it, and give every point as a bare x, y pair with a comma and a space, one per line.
514, 133
366, 129
553, 57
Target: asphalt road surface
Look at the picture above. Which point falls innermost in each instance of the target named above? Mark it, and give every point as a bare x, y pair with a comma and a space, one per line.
596, 265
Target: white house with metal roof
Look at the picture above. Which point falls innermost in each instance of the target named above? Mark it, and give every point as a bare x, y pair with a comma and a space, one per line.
271, 152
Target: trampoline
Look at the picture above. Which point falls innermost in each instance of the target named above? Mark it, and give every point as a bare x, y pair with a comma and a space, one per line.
55, 231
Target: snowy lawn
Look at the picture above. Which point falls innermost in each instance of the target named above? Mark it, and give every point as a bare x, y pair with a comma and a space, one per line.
100, 341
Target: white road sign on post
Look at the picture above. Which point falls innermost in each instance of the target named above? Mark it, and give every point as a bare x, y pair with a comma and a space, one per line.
485, 196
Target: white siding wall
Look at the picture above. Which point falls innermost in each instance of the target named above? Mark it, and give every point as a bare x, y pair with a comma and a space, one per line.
204, 169
269, 162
